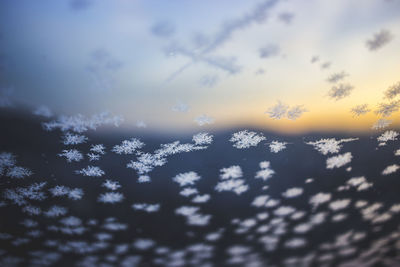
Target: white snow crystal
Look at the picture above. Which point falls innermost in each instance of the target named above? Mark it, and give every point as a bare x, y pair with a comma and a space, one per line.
187, 178
246, 139
277, 146
128, 147
111, 197
338, 161
71, 155
278, 111
203, 120
340, 91
93, 171
390, 169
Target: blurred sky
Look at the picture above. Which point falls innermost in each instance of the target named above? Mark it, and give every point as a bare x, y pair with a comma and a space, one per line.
228, 59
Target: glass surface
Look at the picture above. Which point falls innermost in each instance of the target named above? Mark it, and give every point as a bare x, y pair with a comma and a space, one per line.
199, 133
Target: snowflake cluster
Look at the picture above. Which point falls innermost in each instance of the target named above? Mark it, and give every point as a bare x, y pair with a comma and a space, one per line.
246, 139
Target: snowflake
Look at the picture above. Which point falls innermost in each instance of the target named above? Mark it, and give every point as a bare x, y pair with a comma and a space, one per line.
340, 91
201, 199
266, 172
43, 111
319, 199
331, 145
71, 221
246, 139
386, 109
18, 172
111, 197
293, 192
202, 139
74, 139
336, 77
381, 123
99, 149
180, 107
379, 39
93, 157
146, 163
143, 244
128, 146
277, 146
56, 211
338, 161
203, 120
360, 110
390, 169
260, 201
339, 204
112, 185
393, 91
388, 136
232, 172
144, 179
80, 124
93, 171
71, 155
187, 178
295, 243
278, 111
397, 152
7, 159
146, 207
234, 185
141, 124
295, 112
188, 191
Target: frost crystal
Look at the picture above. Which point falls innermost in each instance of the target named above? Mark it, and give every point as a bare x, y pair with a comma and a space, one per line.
340, 91
111, 197
390, 169
231, 172
203, 120
336, 77
81, 124
277, 146
295, 112
180, 107
293, 192
71, 155
246, 139
331, 145
43, 111
266, 172
187, 178
18, 172
388, 136
112, 185
386, 109
360, 110
319, 199
93, 157
74, 139
128, 146
93, 171
278, 111
393, 91
381, 123
146, 207
99, 149
338, 161
202, 139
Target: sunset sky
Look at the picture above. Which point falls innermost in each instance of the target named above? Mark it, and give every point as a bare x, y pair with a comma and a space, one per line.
229, 60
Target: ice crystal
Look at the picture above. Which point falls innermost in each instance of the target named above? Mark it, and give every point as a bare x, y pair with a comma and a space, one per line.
360, 110
293, 192
203, 120
336, 77
111, 197
387, 109
128, 146
202, 139
390, 169
187, 178
231, 172
18, 172
393, 91
146, 207
338, 161
246, 139
340, 91
112, 185
381, 123
278, 111
74, 139
295, 112
93, 171
99, 149
71, 155
388, 136
277, 146
331, 145
266, 172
